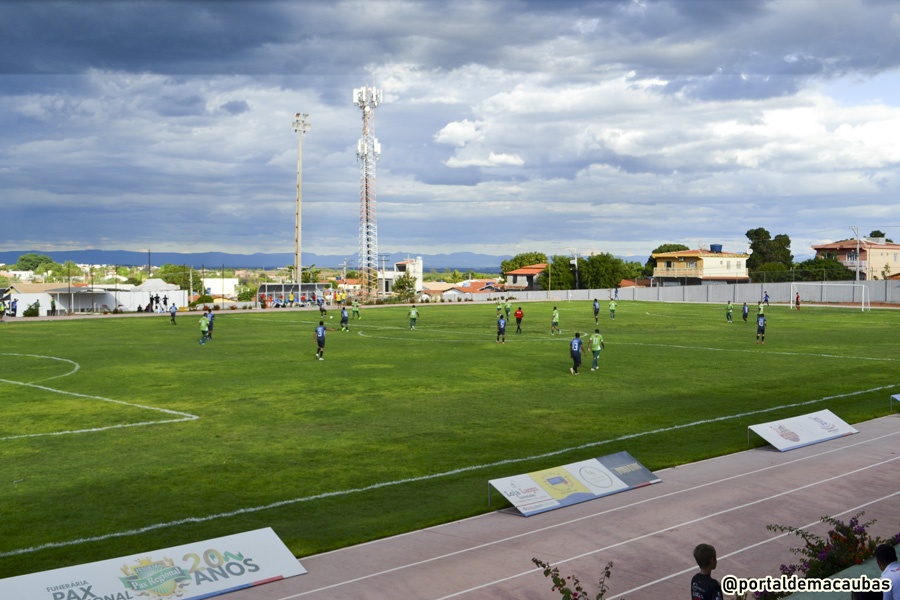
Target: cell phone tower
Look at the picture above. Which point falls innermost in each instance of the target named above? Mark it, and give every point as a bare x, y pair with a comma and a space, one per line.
367, 152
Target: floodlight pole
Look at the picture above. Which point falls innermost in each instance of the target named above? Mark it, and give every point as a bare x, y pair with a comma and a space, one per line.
575, 262
301, 126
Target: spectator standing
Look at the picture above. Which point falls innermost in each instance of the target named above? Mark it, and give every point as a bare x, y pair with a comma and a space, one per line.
703, 586
886, 557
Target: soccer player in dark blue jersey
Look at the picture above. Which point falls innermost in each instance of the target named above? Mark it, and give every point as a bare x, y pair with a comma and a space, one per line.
320, 339
576, 349
501, 330
761, 328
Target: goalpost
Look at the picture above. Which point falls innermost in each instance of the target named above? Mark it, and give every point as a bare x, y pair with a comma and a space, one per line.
831, 292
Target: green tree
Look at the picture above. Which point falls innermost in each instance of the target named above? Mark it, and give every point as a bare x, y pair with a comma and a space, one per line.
559, 274
404, 288
181, 276
601, 271
822, 269
46, 270
651, 262
311, 274
633, 269
454, 277
877, 233
765, 249
31, 261
771, 272
69, 269
522, 260
248, 294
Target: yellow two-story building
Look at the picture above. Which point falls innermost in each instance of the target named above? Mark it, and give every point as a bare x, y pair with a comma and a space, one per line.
693, 267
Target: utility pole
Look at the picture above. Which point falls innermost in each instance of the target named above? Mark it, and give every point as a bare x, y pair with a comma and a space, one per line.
855, 230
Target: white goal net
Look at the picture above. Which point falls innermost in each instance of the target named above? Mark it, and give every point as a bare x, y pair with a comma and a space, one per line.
828, 292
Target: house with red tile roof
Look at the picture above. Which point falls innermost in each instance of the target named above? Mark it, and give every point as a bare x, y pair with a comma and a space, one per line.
524, 278
873, 257
474, 289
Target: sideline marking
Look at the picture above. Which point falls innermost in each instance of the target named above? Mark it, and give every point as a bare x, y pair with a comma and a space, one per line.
751, 546
183, 416
375, 486
584, 518
682, 524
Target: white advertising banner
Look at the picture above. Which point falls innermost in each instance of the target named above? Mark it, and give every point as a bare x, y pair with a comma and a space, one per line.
189, 572
540, 491
796, 432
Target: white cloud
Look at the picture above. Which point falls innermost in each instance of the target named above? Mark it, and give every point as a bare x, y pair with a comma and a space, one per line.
459, 133
632, 125
492, 160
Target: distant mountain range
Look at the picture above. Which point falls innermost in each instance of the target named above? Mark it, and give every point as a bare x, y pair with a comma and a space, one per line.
482, 263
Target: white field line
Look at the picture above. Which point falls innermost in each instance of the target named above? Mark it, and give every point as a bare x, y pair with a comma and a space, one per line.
182, 416
488, 333
847, 511
541, 530
757, 351
376, 486
684, 524
75, 365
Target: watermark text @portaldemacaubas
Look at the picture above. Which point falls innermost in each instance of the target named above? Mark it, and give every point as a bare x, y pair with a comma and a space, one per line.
792, 584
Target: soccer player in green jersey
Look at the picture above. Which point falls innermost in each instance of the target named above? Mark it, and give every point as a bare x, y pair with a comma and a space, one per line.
356, 309
413, 314
204, 329
554, 322
597, 345
728, 310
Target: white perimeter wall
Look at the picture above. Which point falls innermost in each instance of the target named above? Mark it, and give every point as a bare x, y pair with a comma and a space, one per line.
882, 291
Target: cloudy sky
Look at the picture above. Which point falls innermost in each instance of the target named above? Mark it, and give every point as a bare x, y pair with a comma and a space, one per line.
507, 125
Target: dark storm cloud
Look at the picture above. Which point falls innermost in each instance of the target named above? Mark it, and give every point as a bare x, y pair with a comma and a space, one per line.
235, 107
170, 122
159, 36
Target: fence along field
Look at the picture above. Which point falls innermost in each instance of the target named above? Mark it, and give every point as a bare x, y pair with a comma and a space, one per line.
154, 440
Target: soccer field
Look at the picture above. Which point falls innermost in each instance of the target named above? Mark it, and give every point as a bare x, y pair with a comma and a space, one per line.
122, 435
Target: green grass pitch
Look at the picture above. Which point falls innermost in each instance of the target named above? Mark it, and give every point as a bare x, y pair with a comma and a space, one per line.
122, 435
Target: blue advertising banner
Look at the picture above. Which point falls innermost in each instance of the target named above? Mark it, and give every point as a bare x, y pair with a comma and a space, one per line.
553, 488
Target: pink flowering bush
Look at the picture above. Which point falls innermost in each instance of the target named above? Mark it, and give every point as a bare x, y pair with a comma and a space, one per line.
845, 545
569, 587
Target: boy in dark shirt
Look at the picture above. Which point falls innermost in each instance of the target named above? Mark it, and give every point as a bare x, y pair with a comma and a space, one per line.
703, 586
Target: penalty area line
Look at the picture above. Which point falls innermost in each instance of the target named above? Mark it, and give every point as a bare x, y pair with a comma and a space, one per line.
183, 416
386, 484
